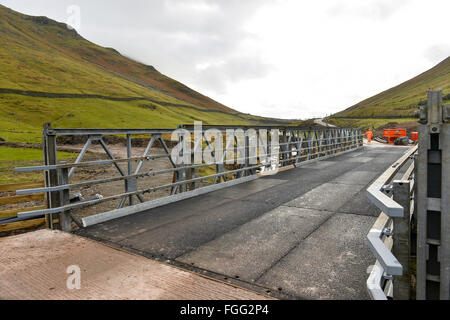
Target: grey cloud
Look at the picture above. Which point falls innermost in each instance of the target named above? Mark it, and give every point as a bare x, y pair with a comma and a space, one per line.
180, 34
375, 9
233, 69
172, 35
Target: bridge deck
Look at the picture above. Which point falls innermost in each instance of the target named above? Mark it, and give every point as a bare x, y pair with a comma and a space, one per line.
298, 234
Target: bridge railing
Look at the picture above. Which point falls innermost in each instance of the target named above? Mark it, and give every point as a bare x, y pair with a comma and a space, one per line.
433, 200
390, 236
283, 147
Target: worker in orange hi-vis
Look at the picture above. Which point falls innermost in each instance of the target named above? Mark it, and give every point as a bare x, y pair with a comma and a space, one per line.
369, 135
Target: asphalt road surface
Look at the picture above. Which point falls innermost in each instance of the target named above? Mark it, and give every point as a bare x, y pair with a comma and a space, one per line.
299, 234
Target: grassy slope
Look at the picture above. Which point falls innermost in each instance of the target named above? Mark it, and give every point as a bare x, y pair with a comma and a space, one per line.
369, 123
19, 115
397, 104
12, 157
24, 154
403, 100
39, 54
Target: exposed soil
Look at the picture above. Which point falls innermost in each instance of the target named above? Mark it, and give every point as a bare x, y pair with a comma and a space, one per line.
96, 152
118, 187
412, 126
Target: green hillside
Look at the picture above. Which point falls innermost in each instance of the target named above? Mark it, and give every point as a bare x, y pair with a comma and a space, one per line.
396, 107
40, 59
404, 99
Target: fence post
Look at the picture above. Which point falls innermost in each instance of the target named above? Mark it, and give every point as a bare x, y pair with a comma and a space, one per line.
50, 158
401, 240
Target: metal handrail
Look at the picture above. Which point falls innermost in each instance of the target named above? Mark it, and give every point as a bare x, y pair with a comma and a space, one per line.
304, 145
378, 238
383, 254
375, 191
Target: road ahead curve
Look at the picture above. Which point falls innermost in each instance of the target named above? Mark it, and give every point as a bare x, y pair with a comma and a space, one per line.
323, 123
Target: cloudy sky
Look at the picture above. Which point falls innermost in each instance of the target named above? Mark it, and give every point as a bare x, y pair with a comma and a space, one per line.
278, 58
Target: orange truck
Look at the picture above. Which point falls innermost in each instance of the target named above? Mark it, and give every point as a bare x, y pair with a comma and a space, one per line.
393, 134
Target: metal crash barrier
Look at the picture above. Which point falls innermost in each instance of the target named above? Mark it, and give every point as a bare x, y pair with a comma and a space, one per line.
411, 237
393, 198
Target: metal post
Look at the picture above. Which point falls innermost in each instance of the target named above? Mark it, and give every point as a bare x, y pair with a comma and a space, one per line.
320, 137
52, 175
401, 240
247, 153
360, 138
310, 137
64, 218
48, 220
191, 171
433, 216
445, 204
413, 247
129, 184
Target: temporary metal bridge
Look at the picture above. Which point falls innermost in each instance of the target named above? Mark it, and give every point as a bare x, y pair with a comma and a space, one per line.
298, 146
297, 234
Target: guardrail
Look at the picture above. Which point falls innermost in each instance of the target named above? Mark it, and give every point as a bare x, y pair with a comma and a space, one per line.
389, 238
285, 146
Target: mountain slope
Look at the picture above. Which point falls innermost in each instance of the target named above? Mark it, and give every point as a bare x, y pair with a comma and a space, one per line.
47, 55
404, 99
40, 59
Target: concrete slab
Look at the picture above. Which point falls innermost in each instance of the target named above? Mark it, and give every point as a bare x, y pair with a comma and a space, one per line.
358, 154
394, 149
319, 164
360, 159
119, 229
360, 204
246, 189
259, 243
357, 177
175, 239
386, 160
301, 180
328, 196
330, 264
33, 266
